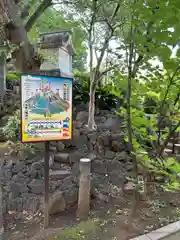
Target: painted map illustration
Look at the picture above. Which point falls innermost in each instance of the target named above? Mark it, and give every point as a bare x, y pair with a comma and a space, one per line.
46, 106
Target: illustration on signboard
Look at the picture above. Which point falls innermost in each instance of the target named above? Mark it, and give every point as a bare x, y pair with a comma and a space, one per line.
46, 108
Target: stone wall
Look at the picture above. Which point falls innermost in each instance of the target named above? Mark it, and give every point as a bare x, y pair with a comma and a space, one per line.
23, 184
111, 164
23, 180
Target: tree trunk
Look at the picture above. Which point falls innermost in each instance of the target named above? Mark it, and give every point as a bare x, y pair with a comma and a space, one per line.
91, 121
2, 79
24, 55
2, 73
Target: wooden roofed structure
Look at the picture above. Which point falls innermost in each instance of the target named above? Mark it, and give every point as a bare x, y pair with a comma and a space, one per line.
59, 39
58, 50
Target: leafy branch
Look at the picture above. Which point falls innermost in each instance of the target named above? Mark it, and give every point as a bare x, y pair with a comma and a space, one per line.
39, 10
95, 74
171, 132
171, 82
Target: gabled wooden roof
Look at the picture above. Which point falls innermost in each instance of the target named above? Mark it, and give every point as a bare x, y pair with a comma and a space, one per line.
58, 39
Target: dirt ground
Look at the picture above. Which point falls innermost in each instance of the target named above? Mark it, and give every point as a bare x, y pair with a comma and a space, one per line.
107, 221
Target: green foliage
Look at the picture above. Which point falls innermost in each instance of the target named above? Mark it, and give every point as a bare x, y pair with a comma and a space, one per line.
12, 127
103, 97
146, 141
20, 149
12, 133
150, 105
12, 79
150, 89
13, 76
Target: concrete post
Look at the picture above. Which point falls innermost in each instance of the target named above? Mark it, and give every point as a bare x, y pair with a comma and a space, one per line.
84, 188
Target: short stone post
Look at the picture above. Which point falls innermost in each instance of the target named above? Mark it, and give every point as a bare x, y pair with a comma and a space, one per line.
84, 189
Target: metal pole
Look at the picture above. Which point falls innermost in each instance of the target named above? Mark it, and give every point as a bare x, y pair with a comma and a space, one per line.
1, 214
84, 188
46, 185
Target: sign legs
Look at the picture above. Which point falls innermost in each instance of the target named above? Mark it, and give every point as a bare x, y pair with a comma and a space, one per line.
46, 185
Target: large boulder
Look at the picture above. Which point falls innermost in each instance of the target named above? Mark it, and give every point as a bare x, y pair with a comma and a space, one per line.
123, 157
20, 178
36, 186
19, 167
76, 156
62, 158
118, 146
113, 124
59, 146
56, 203
99, 186
98, 166
37, 170
18, 188
30, 202
82, 116
71, 196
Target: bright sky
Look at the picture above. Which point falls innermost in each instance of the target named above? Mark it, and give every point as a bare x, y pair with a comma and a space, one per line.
114, 45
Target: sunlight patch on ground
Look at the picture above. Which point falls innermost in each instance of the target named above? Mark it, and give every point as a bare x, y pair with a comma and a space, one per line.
3, 145
79, 232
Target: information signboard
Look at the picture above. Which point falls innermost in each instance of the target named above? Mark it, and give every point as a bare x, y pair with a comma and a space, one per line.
46, 108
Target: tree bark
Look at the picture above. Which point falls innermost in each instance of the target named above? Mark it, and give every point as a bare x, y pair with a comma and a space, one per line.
26, 9
2, 79
129, 123
2, 72
25, 54
22, 34
91, 121
40, 9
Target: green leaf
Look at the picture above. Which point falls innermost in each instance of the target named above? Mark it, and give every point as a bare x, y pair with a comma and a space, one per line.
170, 161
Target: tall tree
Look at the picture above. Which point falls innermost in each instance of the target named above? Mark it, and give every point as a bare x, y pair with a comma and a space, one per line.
99, 19
14, 30
149, 35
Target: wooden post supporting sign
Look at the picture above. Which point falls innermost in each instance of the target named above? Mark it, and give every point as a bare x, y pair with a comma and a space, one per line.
46, 185
46, 114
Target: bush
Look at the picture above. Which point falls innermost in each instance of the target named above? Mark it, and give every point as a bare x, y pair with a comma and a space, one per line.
12, 79
103, 97
11, 129
12, 133
150, 106
13, 76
